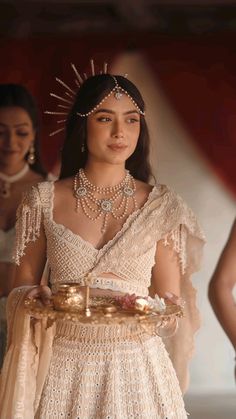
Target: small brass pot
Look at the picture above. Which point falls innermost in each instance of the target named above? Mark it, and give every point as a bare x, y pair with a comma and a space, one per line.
69, 297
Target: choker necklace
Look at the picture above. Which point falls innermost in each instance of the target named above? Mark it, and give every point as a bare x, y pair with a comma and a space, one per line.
5, 186
114, 200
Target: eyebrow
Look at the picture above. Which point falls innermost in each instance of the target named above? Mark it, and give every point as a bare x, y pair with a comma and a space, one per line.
112, 112
24, 124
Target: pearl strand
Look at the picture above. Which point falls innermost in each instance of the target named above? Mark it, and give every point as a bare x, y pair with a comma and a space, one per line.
103, 190
94, 208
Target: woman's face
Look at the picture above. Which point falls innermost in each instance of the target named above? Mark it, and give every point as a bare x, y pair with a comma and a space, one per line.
16, 135
113, 131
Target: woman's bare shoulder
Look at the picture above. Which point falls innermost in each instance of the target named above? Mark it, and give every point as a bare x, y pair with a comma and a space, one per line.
63, 184
34, 178
30, 180
63, 190
143, 187
143, 191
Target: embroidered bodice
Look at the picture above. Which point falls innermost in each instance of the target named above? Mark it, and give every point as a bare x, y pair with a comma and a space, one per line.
129, 257
7, 239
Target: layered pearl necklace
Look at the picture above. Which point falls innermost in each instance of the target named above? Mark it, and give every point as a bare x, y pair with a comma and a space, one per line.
7, 180
97, 202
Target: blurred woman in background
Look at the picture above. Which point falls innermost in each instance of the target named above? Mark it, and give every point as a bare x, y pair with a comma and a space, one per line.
20, 168
221, 288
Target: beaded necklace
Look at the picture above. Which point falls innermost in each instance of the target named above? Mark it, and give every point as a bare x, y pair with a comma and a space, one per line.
7, 180
114, 200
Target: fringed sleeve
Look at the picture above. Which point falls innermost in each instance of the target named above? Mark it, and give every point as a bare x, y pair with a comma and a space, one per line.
184, 234
28, 221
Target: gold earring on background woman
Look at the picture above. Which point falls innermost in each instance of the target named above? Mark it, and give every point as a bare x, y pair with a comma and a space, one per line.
31, 156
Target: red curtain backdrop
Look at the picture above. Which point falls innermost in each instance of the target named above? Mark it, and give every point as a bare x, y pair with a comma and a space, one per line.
197, 73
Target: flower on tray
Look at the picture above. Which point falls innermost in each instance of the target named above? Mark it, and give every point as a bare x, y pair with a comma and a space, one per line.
127, 301
144, 304
156, 303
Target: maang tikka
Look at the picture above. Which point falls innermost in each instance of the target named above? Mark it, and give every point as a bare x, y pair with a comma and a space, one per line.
65, 102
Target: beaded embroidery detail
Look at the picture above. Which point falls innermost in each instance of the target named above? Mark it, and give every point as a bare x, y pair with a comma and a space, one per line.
164, 216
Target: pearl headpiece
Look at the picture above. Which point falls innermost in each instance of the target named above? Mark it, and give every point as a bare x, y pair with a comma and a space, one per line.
66, 101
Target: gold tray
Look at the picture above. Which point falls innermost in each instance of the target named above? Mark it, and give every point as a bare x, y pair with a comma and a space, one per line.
104, 311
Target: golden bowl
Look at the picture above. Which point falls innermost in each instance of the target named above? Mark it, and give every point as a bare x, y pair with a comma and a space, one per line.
69, 297
108, 308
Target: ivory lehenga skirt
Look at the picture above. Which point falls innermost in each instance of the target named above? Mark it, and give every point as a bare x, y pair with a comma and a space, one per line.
109, 372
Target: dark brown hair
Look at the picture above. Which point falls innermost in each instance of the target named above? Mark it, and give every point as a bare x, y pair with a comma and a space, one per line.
92, 91
17, 95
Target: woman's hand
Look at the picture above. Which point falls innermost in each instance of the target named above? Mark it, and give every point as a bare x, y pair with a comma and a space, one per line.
43, 292
174, 299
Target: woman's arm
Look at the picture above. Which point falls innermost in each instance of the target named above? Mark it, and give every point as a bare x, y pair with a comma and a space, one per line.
166, 272
221, 288
30, 269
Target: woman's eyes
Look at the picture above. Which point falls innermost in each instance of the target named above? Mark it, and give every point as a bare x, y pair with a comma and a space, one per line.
104, 119
22, 134
18, 134
132, 120
108, 119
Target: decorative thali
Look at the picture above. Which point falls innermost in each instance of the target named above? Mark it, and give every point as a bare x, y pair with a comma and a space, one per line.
81, 308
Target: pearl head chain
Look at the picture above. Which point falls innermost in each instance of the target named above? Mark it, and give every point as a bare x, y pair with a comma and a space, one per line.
66, 100
118, 93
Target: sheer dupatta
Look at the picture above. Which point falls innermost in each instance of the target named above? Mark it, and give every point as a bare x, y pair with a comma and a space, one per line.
26, 361
180, 346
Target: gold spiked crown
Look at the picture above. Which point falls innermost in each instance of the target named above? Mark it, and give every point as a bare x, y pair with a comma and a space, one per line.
65, 102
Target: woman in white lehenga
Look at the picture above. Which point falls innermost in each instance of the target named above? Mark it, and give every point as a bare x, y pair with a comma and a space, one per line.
103, 218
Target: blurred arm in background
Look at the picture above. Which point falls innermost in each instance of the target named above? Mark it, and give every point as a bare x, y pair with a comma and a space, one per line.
221, 288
